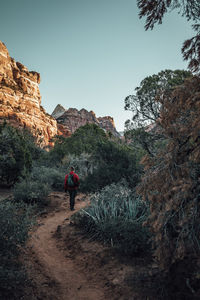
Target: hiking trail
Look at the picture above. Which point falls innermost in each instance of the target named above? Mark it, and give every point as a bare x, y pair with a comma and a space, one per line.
64, 269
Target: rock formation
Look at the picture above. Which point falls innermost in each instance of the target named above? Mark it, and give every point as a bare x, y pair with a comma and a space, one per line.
58, 111
20, 105
20, 99
72, 119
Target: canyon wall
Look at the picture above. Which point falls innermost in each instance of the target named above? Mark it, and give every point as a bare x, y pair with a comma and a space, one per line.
20, 99
20, 105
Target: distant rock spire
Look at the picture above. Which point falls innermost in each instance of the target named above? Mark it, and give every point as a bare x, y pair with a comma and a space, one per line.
58, 111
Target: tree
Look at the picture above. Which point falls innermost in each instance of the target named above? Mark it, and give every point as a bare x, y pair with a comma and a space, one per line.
144, 130
17, 151
114, 163
145, 142
15, 157
154, 11
171, 184
84, 139
144, 104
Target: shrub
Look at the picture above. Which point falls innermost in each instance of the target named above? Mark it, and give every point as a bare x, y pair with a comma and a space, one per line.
32, 192
40, 182
83, 140
15, 222
115, 216
53, 177
15, 155
83, 164
114, 162
171, 184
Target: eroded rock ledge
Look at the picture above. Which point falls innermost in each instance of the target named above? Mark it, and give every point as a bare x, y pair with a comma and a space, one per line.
20, 99
20, 105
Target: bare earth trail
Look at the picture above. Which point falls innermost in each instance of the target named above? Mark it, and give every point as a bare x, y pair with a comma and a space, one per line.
66, 279
63, 264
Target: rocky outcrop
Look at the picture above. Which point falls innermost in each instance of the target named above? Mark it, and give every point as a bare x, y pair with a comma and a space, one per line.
72, 119
108, 124
58, 111
20, 99
20, 105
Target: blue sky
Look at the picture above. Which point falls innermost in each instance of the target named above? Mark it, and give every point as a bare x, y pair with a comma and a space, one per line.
91, 54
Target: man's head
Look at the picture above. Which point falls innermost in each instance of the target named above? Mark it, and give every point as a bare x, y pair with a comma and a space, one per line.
72, 169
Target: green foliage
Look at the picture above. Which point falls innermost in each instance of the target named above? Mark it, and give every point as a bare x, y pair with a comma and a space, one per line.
84, 140
83, 164
15, 223
97, 160
115, 217
144, 129
114, 162
49, 176
31, 192
146, 142
144, 104
17, 149
36, 187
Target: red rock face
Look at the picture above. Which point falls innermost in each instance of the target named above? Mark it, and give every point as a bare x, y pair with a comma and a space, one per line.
108, 124
63, 130
72, 119
20, 99
20, 105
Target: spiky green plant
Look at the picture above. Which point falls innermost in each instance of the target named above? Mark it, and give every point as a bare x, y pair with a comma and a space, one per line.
115, 216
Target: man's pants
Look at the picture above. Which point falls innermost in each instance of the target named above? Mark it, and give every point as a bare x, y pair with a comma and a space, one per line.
72, 195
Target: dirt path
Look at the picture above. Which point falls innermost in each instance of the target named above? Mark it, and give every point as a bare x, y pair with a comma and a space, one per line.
67, 280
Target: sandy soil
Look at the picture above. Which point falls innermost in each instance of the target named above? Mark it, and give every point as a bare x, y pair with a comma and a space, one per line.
65, 265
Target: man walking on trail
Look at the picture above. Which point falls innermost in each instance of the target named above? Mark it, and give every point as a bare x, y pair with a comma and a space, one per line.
71, 185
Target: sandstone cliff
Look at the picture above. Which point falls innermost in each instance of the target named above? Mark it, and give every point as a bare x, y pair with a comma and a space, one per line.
72, 119
20, 105
20, 100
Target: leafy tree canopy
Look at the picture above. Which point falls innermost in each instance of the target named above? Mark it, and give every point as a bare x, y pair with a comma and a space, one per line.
144, 104
145, 142
114, 163
143, 131
85, 139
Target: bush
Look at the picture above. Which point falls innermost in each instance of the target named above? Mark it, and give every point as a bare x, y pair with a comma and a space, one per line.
32, 192
115, 216
40, 182
171, 184
83, 164
83, 140
114, 162
128, 237
15, 155
54, 177
15, 223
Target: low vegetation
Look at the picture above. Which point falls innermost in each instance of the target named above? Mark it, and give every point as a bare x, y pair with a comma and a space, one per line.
17, 152
115, 217
15, 223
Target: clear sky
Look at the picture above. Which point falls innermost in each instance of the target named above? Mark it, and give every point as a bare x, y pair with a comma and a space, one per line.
90, 53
